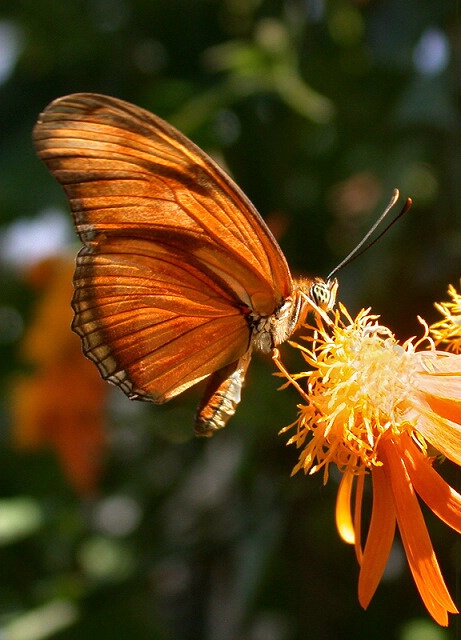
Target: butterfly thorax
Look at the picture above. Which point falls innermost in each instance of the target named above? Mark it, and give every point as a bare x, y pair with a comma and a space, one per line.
270, 331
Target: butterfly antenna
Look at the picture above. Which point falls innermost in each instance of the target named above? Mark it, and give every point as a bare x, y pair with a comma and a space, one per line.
360, 248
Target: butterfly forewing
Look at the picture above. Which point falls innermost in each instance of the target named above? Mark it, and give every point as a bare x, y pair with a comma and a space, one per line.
176, 259
126, 171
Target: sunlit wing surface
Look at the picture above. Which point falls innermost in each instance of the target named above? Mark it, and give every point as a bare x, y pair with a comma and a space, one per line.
179, 276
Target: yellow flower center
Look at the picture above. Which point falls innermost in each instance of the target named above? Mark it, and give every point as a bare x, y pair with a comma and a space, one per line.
357, 391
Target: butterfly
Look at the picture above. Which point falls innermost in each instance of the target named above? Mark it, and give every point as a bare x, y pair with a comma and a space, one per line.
179, 277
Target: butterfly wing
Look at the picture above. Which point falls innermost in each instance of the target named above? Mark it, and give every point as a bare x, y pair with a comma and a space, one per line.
153, 323
174, 251
127, 172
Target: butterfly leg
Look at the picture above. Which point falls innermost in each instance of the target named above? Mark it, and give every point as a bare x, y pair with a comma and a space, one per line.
221, 397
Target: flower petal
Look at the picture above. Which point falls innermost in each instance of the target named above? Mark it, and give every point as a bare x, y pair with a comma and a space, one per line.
440, 385
440, 362
379, 539
344, 522
358, 517
448, 408
442, 499
415, 537
444, 435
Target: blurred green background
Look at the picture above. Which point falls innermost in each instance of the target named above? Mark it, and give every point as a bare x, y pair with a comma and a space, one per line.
318, 110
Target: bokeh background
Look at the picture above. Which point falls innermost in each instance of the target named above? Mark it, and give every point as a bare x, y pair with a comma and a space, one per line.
115, 521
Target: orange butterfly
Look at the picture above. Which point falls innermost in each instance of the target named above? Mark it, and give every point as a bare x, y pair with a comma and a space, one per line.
179, 278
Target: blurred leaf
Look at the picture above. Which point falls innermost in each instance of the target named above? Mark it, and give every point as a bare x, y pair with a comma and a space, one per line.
20, 517
42, 622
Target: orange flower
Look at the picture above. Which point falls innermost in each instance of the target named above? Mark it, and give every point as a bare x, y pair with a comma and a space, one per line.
372, 408
61, 403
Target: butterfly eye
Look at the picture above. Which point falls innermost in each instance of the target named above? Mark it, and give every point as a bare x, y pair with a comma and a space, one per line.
324, 293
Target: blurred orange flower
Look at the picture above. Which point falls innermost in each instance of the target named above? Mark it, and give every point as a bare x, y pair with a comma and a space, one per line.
372, 407
61, 403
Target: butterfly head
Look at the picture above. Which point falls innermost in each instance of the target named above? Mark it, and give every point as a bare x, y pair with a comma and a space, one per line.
324, 293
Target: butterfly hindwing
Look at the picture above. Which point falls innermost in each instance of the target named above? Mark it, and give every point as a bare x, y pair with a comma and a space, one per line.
153, 324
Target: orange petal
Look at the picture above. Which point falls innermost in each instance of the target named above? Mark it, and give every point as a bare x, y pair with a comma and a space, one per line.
358, 518
444, 435
343, 514
416, 541
379, 539
442, 499
445, 407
